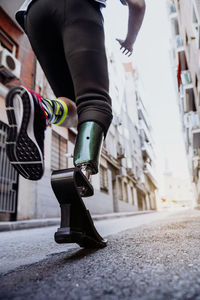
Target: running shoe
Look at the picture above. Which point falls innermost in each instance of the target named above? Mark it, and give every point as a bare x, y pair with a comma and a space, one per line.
25, 140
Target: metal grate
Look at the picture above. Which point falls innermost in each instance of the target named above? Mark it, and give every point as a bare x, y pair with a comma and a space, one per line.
8, 177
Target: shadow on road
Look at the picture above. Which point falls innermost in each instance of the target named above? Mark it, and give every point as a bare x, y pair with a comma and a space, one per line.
26, 275
73, 255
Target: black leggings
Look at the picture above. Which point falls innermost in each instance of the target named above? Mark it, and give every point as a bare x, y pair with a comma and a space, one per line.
67, 37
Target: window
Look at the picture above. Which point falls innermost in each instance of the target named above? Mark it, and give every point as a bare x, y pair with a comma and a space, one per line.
195, 27
103, 179
196, 81
183, 61
120, 189
72, 137
176, 27
188, 137
59, 148
8, 45
6, 42
126, 191
186, 38
132, 195
189, 101
196, 140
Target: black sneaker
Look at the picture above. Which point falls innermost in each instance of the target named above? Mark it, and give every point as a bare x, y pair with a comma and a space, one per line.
25, 140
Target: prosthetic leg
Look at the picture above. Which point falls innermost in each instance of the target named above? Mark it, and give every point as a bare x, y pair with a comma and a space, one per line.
71, 185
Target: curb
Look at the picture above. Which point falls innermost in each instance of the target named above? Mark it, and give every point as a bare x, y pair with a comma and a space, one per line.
37, 223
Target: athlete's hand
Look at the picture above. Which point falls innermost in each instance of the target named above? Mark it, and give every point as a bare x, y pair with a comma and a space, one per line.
126, 48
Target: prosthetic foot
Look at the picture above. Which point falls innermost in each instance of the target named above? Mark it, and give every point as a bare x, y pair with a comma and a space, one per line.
71, 184
88, 147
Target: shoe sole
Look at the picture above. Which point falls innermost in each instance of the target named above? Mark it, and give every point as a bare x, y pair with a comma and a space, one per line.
80, 238
22, 148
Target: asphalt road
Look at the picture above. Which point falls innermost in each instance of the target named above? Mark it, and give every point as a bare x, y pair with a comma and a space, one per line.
29, 246
155, 259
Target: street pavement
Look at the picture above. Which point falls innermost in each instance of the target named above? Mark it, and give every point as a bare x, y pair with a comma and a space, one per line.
154, 256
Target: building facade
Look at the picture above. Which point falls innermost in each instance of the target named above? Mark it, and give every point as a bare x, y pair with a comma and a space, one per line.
17, 55
184, 17
125, 181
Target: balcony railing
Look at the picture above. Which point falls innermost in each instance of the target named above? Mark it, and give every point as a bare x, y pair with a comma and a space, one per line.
147, 150
186, 78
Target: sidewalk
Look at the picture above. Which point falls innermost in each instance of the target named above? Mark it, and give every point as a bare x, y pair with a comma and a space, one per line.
36, 223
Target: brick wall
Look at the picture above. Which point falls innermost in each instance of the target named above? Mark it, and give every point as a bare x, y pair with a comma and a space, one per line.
24, 51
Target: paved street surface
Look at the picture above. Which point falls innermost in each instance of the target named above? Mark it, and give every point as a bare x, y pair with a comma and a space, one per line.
153, 256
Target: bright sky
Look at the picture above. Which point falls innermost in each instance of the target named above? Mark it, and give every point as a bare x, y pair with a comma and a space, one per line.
151, 55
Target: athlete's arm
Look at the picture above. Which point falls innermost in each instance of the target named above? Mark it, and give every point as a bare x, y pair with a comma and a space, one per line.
135, 19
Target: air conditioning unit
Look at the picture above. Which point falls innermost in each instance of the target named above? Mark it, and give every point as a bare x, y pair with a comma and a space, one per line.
10, 67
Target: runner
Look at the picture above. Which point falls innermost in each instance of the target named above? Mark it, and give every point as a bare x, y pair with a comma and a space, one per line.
67, 37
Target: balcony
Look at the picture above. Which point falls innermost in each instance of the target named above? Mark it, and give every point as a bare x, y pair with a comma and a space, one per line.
195, 121
131, 173
142, 113
186, 79
145, 132
147, 150
148, 170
